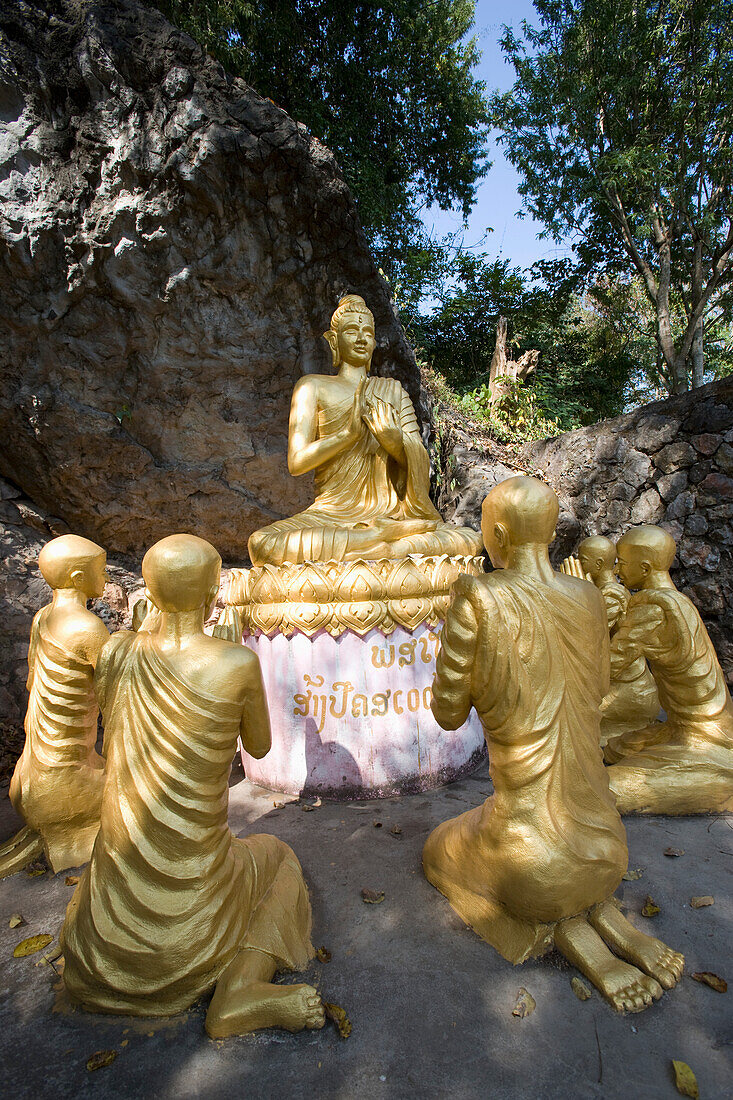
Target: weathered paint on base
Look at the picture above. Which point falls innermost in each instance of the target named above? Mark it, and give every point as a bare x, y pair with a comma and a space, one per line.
351, 716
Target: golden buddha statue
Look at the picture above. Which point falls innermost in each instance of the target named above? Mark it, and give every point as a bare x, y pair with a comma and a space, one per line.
57, 783
632, 699
360, 435
683, 765
537, 864
171, 904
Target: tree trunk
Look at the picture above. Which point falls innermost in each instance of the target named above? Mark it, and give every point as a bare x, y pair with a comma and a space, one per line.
697, 356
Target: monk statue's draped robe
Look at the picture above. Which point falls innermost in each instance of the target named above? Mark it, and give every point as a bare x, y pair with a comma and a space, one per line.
358, 486
170, 896
685, 764
549, 843
58, 780
632, 699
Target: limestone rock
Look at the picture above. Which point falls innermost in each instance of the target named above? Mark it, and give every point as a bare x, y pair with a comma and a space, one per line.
173, 247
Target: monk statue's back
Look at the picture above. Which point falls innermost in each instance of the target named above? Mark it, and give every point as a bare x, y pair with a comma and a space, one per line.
537, 864
172, 905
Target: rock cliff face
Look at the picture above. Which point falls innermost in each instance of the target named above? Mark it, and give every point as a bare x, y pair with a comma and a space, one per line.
670, 463
171, 249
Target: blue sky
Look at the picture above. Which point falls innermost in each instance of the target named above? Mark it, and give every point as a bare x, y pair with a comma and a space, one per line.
498, 199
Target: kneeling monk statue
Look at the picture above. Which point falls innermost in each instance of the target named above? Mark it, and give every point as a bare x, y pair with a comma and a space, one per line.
537, 864
57, 783
683, 765
172, 905
360, 435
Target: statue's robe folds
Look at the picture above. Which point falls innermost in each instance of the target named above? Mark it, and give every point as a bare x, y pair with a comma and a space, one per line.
357, 487
170, 896
685, 764
549, 843
58, 780
632, 699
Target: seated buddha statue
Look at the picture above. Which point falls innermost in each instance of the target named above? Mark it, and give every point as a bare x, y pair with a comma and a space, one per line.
632, 699
172, 905
57, 783
683, 765
536, 865
360, 435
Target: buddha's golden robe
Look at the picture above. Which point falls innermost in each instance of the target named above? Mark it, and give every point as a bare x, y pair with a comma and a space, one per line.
685, 764
358, 486
170, 896
632, 699
57, 782
549, 843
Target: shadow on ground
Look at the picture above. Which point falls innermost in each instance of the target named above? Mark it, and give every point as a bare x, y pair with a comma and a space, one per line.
431, 1004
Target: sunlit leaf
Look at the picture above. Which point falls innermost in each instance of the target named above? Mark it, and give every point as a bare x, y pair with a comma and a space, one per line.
339, 1017
31, 945
685, 1080
650, 907
100, 1059
582, 991
16, 920
702, 902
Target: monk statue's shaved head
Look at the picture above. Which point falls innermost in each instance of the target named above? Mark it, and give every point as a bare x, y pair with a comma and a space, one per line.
525, 506
654, 544
597, 549
65, 555
180, 572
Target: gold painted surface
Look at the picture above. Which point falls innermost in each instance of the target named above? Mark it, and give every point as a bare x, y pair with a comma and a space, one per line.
57, 783
632, 700
337, 596
171, 904
537, 864
361, 437
683, 765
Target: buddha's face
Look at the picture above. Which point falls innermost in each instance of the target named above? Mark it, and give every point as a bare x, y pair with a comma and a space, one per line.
633, 565
356, 340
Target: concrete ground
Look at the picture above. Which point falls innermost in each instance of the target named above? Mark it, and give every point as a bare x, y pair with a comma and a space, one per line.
430, 1003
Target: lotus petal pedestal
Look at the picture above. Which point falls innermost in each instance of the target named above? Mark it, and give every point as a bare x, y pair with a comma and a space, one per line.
348, 669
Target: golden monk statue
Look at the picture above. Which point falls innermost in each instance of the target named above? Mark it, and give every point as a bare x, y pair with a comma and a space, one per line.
632, 700
57, 783
683, 765
537, 864
360, 435
172, 905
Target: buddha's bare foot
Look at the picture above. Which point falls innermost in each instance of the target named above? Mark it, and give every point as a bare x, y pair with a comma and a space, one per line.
396, 529
646, 952
624, 987
261, 1004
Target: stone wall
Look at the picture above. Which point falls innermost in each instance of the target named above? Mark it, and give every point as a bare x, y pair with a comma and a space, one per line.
669, 463
172, 246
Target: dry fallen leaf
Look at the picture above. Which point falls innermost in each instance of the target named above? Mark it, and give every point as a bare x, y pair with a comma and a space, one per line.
372, 897
706, 977
526, 1004
339, 1017
16, 920
35, 868
71, 880
650, 907
685, 1080
377, 824
582, 991
31, 945
101, 1058
307, 806
674, 851
323, 955
633, 876
395, 830
700, 903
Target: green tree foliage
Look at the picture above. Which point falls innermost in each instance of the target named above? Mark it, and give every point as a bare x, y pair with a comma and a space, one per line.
584, 368
387, 86
621, 124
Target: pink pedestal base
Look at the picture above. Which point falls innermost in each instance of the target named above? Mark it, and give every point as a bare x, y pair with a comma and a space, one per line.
351, 716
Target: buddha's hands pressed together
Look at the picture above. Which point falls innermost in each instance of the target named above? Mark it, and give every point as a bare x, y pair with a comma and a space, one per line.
358, 411
382, 421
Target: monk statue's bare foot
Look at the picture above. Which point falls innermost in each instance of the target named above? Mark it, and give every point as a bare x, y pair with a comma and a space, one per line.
624, 987
649, 954
256, 1004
